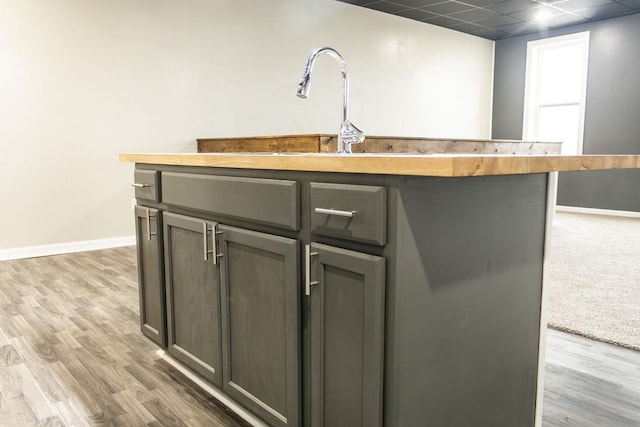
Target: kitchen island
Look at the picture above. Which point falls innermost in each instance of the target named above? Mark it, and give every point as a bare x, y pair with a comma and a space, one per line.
361, 289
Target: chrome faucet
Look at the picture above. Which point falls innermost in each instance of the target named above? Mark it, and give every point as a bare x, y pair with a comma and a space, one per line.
349, 134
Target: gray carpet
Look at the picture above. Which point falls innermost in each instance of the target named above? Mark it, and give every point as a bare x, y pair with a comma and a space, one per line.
594, 277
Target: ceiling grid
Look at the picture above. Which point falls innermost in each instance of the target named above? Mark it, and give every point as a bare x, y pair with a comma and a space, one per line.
499, 19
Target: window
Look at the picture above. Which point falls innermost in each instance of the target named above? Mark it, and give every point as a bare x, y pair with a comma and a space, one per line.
555, 90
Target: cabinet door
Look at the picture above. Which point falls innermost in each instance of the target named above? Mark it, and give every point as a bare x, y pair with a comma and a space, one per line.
150, 274
347, 337
193, 295
260, 319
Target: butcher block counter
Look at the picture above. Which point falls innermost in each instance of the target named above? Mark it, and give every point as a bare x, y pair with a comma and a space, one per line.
373, 289
451, 165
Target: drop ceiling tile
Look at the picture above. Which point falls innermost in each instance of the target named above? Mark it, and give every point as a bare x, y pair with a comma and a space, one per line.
521, 28
385, 6
605, 11
470, 28
490, 34
498, 21
417, 14
553, 2
511, 6
474, 14
633, 4
447, 7
480, 3
467, 27
557, 3
564, 19
358, 2
415, 3
530, 14
571, 5
444, 21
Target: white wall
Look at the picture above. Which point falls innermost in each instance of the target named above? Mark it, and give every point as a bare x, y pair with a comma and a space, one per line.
81, 81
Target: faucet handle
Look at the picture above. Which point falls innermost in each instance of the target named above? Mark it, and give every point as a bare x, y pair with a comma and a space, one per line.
350, 134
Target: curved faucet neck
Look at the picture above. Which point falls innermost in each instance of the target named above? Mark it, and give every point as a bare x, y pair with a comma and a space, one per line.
331, 52
343, 69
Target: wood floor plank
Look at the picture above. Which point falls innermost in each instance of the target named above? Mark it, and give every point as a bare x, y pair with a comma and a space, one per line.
17, 412
44, 377
70, 413
10, 384
589, 383
54, 421
9, 356
82, 402
135, 411
163, 414
32, 393
67, 337
142, 377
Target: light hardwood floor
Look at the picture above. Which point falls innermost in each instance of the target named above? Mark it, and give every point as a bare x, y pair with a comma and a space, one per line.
71, 354
590, 383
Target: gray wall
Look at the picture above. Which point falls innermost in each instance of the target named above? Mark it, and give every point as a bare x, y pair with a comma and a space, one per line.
612, 117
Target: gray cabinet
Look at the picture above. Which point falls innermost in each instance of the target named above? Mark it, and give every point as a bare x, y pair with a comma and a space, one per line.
347, 336
147, 185
193, 295
233, 312
234, 294
266, 201
260, 323
150, 274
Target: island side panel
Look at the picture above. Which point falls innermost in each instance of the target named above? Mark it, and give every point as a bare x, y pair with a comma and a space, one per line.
466, 291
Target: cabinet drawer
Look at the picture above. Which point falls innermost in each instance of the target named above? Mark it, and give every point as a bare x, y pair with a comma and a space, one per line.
147, 184
267, 201
353, 212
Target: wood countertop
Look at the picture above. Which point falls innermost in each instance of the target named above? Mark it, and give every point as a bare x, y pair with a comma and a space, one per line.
447, 165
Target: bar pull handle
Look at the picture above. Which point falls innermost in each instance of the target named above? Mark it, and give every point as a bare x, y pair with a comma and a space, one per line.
335, 212
307, 273
214, 247
137, 185
149, 215
205, 241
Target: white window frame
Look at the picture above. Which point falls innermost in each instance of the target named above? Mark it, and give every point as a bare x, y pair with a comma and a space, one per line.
532, 76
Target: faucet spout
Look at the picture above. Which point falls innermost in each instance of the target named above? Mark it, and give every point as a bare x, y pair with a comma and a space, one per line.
349, 134
304, 85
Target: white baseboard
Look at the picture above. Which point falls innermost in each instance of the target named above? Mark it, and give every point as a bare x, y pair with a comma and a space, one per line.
239, 410
594, 211
65, 248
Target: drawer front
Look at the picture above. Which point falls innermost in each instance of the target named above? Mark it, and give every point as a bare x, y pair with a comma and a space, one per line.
266, 201
147, 184
353, 212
